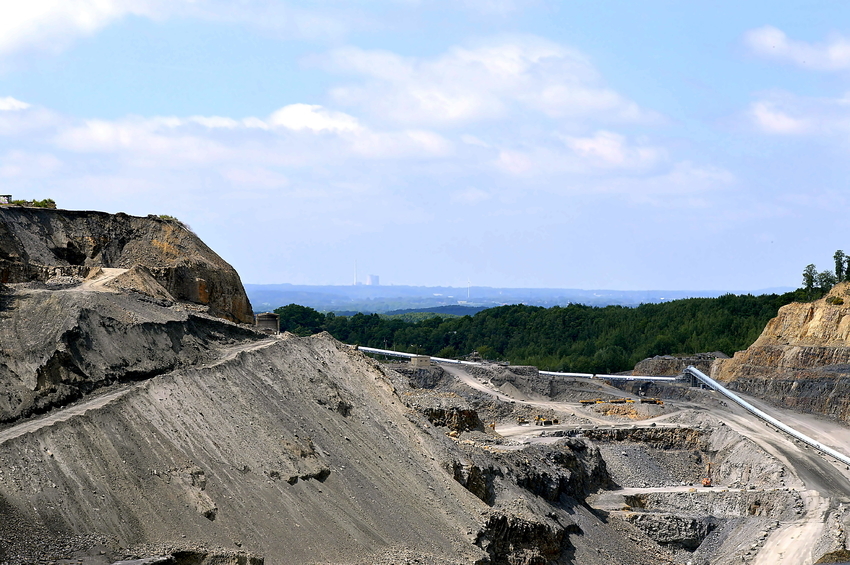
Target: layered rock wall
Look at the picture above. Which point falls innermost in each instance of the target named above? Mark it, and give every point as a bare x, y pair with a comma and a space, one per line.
37, 244
670, 365
802, 358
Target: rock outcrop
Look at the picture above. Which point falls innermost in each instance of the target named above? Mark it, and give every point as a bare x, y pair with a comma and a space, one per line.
38, 244
673, 530
445, 409
672, 365
802, 358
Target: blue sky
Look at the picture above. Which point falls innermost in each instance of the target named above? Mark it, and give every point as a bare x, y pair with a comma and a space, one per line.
525, 143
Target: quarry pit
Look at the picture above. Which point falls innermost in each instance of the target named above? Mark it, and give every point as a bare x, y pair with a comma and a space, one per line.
143, 421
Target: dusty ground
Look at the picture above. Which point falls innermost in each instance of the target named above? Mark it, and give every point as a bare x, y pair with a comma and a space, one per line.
794, 504
137, 427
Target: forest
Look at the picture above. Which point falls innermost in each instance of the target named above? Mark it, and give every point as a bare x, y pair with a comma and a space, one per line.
574, 338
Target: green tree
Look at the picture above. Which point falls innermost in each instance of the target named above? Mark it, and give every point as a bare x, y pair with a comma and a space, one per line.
825, 281
46, 203
300, 320
840, 259
810, 275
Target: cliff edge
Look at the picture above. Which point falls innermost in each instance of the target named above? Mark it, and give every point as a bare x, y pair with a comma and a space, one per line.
802, 358
38, 244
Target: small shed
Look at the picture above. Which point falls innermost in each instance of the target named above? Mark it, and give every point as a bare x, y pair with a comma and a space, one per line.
5, 198
420, 362
268, 323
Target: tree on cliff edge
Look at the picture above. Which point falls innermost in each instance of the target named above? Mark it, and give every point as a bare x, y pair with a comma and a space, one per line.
810, 275
826, 280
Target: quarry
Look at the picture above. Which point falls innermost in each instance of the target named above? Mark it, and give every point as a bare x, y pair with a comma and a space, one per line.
144, 419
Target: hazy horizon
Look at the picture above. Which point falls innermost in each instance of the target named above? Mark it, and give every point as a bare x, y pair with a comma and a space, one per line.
382, 299
766, 290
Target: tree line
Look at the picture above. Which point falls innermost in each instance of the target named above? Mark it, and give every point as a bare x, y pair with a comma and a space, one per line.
574, 338
818, 283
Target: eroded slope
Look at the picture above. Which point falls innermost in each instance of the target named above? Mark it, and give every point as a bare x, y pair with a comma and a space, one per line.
300, 450
56, 346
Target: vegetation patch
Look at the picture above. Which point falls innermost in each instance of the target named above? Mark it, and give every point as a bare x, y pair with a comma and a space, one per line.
562, 338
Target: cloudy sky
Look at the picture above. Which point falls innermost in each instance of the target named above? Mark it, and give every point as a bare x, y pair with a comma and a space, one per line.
527, 143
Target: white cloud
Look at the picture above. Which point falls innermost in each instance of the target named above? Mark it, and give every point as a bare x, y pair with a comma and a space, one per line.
287, 138
281, 18
148, 143
772, 42
770, 119
312, 117
503, 77
10, 104
782, 113
472, 140
611, 150
685, 184
51, 24
603, 153
515, 162
21, 164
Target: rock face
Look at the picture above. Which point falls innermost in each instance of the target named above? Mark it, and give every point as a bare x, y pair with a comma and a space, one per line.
670, 365
802, 358
38, 244
445, 409
673, 530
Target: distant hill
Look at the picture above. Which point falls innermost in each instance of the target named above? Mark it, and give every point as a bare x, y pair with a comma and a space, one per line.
440, 310
386, 299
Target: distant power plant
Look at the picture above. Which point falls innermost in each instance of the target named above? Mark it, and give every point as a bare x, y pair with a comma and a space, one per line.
371, 280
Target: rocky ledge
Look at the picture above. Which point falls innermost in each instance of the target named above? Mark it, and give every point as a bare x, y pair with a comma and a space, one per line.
38, 244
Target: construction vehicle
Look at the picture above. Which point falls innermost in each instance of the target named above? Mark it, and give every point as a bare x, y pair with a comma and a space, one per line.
706, 481
587, 402
657, 401
521, 420
617, 401
541, 421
